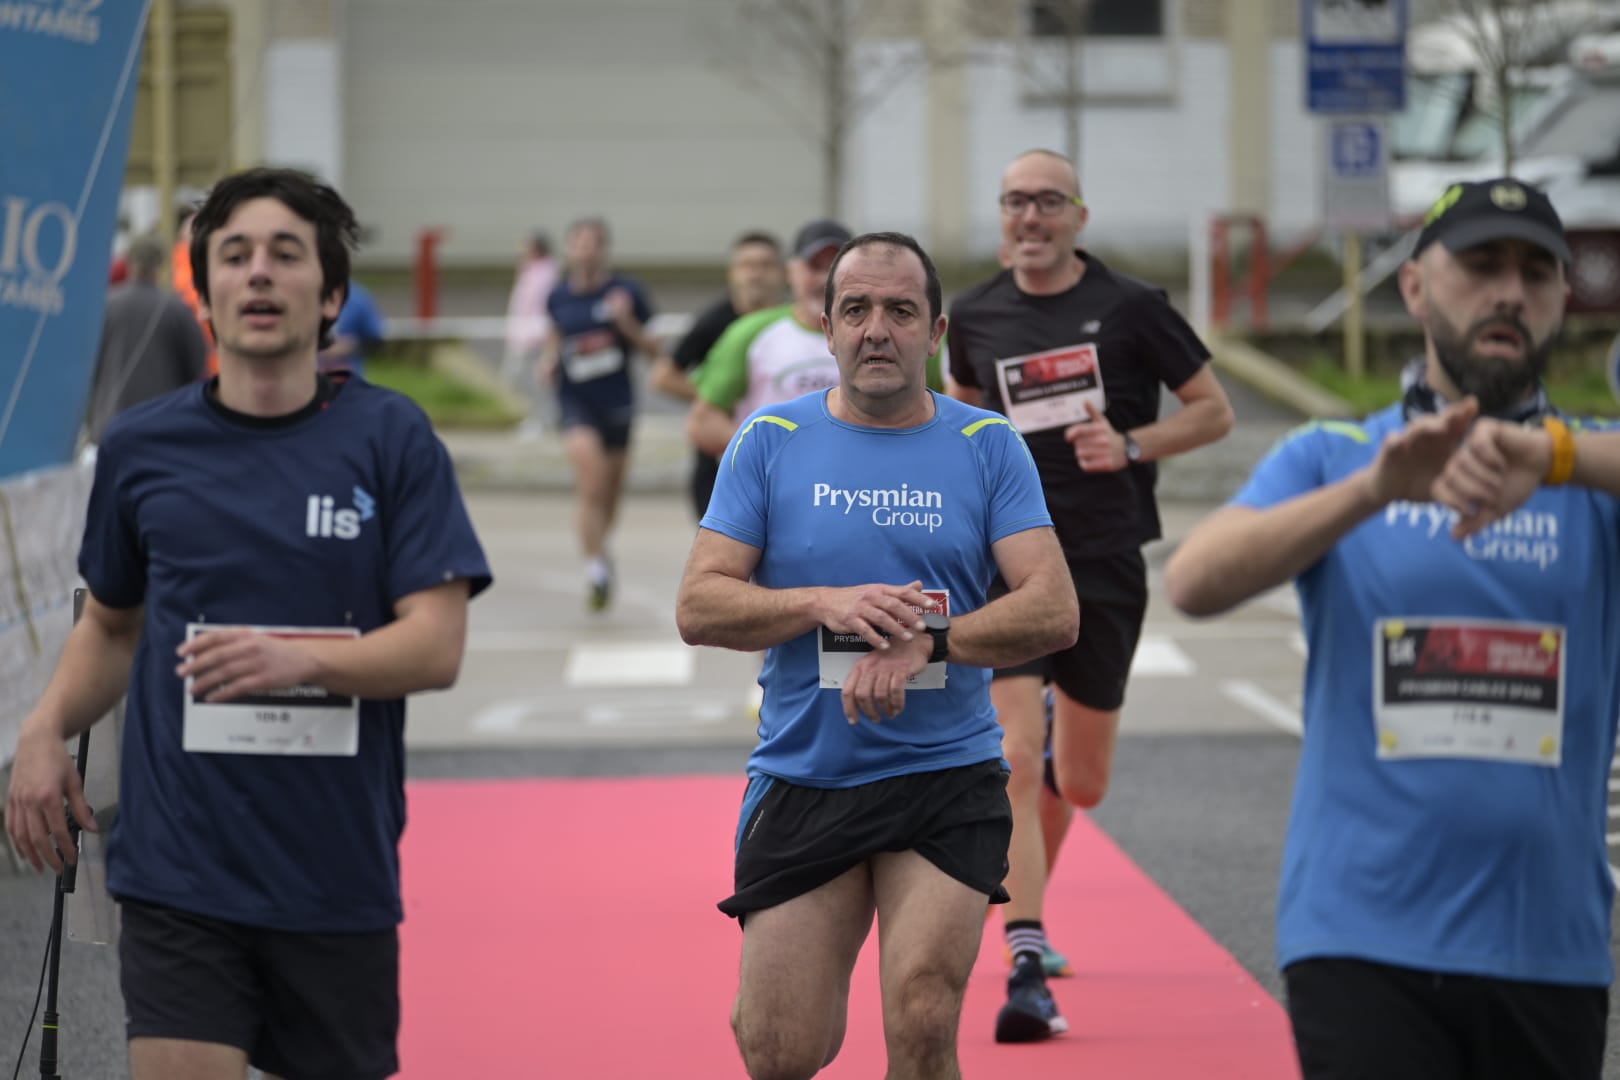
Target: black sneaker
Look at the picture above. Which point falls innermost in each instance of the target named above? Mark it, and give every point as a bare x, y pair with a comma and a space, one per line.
1030, 1014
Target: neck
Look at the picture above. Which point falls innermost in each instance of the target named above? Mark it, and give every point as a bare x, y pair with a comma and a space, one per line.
897, 411
266, 387
585, 281
807, 315
1052, 280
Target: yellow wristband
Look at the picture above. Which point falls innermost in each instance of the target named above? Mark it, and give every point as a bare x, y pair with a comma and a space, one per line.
1563, 451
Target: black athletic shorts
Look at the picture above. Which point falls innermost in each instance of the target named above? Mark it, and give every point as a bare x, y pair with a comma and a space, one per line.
705, 471
793, 839
610, 418
303, 1006
1113, 601
1354, 1019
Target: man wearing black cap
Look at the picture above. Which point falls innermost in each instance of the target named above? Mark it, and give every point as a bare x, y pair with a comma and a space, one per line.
1445, 900
772, 355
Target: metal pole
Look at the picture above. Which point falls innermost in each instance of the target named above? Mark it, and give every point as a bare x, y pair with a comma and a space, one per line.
165, 161
1355, 355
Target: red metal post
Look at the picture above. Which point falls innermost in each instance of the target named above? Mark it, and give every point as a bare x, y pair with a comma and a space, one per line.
1220, 285
427, 273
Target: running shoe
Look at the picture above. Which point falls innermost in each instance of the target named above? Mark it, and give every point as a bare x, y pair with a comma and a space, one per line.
1054, 963
1030, 1014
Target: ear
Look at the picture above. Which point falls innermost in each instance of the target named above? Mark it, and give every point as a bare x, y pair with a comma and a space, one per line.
1410, 280
826, 328
332, 306
938, 335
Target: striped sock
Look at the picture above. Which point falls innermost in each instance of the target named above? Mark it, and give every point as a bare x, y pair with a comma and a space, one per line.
1027, 940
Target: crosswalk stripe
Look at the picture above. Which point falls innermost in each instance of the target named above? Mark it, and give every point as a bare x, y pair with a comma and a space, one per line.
629, 664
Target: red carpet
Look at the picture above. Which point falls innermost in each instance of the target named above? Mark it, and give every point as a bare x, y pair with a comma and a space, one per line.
566, 930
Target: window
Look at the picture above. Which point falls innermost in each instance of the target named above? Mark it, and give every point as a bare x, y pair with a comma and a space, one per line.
1101, 18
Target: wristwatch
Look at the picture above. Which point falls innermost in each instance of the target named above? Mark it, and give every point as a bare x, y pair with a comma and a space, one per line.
939, 628
1133, 452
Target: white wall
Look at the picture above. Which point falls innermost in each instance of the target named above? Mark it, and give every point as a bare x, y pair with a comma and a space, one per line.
303, 118
493, 117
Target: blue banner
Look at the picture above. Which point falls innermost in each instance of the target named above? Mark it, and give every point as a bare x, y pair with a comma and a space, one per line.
68, 73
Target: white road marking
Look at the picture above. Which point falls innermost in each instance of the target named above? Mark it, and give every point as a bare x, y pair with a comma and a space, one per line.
1251, 697
629, 664
1160, 656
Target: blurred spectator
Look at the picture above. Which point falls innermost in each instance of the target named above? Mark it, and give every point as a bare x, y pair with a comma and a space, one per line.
755, 278
527, 322
356, 334
150, 342
184, 288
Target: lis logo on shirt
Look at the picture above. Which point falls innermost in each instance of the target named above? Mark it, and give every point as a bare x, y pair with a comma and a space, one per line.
323, 519
1091, 326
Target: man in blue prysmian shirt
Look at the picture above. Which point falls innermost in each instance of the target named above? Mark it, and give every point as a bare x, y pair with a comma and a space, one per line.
853, 534
275, 559
1445, 900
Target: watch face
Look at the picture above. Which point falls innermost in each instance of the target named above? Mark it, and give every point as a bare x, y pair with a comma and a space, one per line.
933, 620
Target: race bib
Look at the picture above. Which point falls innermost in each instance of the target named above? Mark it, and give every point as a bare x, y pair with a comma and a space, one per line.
296, 720
1461, 688
585, 366
837, 654
1050, 389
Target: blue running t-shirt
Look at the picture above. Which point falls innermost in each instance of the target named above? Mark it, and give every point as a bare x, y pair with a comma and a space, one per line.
322, 522
594, 363
1460, 701
834, 504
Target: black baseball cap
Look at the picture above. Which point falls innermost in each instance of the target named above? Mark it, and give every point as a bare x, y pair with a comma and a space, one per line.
1479, 211
820, 234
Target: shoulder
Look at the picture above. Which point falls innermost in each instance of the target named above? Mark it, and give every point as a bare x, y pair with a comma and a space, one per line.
1131, 290
986, 292
750, 326
156, 419
1343, 436
981, 426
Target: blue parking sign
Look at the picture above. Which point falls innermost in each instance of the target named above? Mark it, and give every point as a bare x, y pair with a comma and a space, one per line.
1355, 55
1358, 149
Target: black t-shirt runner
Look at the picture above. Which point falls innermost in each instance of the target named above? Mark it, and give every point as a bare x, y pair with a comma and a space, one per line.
1141, 342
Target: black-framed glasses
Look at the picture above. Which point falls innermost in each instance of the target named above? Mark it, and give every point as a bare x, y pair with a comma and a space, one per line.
1047, 202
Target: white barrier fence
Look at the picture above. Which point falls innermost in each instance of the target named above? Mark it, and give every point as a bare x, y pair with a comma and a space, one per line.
42, 518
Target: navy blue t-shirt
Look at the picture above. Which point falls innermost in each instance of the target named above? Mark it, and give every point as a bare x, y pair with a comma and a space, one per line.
206, 518
595, 358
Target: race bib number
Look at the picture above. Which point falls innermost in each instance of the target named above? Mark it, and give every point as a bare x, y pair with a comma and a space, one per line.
1457, 688
295, 720
1050, 389
837, 654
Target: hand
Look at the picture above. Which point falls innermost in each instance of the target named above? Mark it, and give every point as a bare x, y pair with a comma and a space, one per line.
43, 778
876, 687
1411, 459
1498, 467
1097, 446
621, 308
545, 372
228, 664
876, 612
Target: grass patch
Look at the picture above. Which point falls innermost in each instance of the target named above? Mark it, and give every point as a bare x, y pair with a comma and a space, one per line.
449, 402
1579, 393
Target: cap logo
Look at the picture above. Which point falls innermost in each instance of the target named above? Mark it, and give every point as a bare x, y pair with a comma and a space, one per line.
1509, 196
1443, 203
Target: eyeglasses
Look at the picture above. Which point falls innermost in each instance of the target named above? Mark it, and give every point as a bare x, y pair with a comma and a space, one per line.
1047, 202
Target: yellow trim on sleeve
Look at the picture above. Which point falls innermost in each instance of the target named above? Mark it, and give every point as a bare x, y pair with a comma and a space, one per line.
777, 420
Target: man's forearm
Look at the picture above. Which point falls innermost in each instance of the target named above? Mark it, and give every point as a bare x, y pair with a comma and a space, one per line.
719, 610
1597, 461
406, 656
1197, 423
1036, 619
1240, 553
90, 678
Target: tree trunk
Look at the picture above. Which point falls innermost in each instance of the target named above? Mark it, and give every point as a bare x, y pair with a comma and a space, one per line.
835, 101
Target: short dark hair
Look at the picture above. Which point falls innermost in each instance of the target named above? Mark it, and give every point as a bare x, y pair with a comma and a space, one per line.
336, 231
598, 223
758, 236
936, 295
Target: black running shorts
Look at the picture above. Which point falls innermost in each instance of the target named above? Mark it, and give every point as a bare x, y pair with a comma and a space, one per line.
310, 1006
792, 839
1113, 601
1355, 1018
